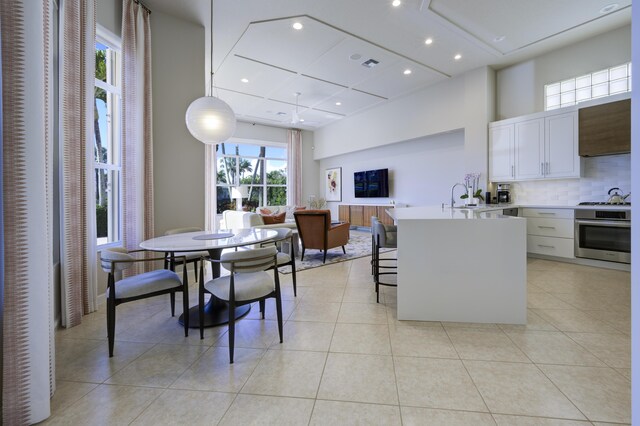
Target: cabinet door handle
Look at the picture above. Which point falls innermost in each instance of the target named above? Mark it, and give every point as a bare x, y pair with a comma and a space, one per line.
513, 173
542, 168
546, 227
548, 168
551, 213
542, 245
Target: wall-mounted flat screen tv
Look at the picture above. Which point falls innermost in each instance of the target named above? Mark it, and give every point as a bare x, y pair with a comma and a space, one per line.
371, 183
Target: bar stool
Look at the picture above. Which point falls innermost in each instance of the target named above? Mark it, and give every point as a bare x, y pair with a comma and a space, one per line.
383, 236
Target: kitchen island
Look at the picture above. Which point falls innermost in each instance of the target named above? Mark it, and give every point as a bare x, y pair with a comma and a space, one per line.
461, 265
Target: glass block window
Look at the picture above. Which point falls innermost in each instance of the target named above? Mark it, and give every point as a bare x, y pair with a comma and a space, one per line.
589, 86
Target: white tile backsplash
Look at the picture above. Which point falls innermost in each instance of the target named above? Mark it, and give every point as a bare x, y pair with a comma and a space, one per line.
599, 175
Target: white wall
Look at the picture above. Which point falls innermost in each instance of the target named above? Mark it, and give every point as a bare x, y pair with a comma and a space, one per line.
421, 171
109, 15
464, 102
520, 87
178, 72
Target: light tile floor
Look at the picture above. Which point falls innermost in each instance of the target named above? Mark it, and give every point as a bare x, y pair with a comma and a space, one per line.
347, 360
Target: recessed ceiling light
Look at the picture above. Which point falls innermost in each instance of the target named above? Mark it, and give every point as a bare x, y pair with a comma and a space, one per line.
396, 3
428, 41
457, 57
498, 39
407, 71
338, 103
244, 80
297, 26
301, 120
355, 56
609, 8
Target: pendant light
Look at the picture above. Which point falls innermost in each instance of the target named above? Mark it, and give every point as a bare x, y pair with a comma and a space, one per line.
210, 119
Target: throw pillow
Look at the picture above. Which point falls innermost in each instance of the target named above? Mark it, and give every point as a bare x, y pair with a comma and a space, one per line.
265, 211
272, 219
291, 209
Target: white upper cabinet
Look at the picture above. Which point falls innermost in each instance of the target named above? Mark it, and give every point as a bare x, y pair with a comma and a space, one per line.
561, 146
538, 146
501, 147
529, 149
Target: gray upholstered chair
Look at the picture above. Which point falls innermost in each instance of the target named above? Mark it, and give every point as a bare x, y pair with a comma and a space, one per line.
192, 257
286, 255
147, 284
383, 236
247, 282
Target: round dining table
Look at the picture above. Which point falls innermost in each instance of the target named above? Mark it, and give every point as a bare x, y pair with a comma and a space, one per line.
216, 311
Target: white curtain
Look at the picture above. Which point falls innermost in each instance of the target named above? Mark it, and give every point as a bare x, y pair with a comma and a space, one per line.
79, 277
27, 145
137, 148
210, 189
294, 166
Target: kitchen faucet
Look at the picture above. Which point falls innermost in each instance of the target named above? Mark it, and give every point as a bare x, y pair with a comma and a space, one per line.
452, 188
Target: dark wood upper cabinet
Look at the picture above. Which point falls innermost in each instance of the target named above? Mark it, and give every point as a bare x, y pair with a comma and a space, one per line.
605, 129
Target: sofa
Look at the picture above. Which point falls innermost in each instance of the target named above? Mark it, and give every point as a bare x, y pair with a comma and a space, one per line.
240, 219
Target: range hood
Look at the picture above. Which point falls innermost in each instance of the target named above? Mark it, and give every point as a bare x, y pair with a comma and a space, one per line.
605, 129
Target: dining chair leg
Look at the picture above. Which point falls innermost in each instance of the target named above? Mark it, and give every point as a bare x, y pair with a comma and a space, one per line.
344, 250
324, 259
261, 303
195, 270
111, 324
185, 310
201, 300
293, 273
302, 255
172, 296
279, 307
232, 330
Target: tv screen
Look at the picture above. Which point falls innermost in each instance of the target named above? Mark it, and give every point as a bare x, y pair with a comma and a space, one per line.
371, 183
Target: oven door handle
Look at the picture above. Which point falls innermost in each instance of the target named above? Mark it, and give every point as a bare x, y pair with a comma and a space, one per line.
608, 223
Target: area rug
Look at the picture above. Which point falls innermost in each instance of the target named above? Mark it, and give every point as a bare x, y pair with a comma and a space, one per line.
359, 246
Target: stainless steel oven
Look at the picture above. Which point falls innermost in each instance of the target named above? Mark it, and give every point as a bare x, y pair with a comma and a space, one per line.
603, 234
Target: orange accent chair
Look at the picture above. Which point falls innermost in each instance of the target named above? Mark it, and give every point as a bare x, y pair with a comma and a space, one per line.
317, 232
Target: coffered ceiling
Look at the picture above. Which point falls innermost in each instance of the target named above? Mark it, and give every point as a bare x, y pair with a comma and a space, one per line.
269, 72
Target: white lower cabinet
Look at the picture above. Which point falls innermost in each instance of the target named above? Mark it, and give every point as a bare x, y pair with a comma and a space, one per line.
551, 246
549, 231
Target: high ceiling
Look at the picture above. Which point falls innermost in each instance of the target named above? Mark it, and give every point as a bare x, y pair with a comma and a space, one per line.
271, 73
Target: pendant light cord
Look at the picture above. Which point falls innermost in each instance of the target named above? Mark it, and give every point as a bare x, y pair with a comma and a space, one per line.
211, 51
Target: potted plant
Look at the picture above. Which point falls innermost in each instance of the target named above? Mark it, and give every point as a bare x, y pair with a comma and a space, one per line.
474, 194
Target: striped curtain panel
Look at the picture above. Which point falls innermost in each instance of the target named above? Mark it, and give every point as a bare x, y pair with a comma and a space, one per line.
79, 282
294, 165
27, 144
137, 148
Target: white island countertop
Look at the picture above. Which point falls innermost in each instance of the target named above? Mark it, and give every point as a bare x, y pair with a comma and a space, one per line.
461, 265
438, 212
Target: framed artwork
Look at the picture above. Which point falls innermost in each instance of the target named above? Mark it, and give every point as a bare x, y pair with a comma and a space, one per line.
333, 184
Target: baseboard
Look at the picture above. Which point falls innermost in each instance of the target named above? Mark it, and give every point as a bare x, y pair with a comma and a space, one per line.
585, 262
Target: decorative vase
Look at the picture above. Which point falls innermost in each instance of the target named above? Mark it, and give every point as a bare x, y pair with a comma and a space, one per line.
469, 199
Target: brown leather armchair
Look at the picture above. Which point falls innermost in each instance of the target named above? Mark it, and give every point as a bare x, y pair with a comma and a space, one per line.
317, 232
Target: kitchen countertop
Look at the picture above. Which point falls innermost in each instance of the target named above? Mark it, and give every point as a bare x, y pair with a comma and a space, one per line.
438, 211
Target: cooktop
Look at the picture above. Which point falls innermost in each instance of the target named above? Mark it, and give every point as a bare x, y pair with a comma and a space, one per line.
603, 203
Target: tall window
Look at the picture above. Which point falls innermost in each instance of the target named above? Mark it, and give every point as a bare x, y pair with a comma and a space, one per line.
261, 169
589, 86
107, 121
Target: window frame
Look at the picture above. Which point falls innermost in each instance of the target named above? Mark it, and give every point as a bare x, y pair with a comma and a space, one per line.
572, 87
113, 166
264, 185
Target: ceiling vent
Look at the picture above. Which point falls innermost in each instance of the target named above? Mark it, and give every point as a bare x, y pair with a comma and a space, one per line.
370, 63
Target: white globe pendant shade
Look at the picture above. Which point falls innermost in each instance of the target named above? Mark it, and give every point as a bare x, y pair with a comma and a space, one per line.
210, 120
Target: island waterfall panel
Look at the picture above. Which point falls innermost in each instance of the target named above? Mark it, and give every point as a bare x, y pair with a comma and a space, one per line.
461, 266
